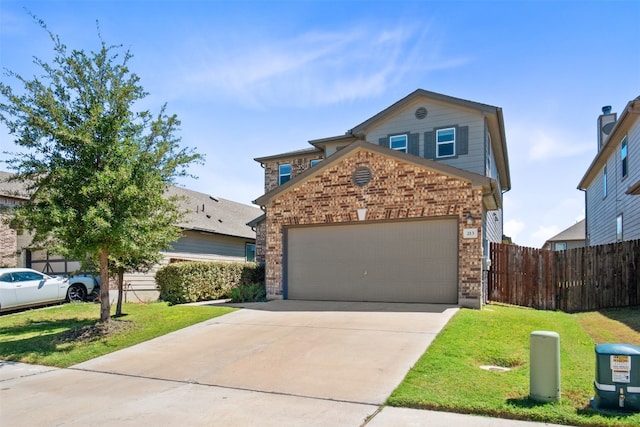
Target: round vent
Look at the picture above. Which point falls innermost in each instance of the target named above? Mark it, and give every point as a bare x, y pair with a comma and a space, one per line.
362, 176
421, 113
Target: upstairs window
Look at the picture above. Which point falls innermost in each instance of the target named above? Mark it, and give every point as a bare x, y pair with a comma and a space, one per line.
604, 181
284, 173
314, 162
445, 142
623, 158
398, 142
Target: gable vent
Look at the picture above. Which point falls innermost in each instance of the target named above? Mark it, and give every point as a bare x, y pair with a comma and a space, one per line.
362, 176
421, 113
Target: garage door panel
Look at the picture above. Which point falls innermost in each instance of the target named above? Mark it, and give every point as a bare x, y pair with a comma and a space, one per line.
402, 261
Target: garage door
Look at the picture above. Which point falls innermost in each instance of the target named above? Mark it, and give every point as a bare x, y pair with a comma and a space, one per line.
400, 261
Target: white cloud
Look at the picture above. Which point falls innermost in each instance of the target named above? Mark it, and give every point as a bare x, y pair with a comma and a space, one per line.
512, 228
547, 142
310, 69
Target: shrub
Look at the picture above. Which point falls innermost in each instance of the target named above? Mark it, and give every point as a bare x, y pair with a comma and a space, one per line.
184, 282
249, 292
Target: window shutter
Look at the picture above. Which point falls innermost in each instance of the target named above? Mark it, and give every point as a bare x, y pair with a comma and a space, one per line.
462, 140
414, 144
430, 145
384, 142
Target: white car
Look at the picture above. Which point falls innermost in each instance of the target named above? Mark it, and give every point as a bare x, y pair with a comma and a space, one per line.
24, 287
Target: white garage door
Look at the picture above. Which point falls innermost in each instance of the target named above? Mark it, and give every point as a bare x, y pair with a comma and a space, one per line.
399, 261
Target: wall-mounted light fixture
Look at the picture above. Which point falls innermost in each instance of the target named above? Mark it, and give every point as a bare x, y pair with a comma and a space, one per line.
469, 219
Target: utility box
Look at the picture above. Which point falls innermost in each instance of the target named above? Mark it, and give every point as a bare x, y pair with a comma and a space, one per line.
544, 375
617, 383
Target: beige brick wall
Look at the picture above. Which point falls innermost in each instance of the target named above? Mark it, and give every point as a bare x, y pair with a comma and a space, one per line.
8, 244
397, 190
298, 165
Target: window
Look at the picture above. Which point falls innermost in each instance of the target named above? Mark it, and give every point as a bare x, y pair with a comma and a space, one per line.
250, 252
445, 142
314, 162
398, 142
619, 228
284, 173
604, 181
560, 246
623, 157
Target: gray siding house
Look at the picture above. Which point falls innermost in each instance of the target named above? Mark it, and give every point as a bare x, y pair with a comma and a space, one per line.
570, 238
213, 229
612, 181
400, 208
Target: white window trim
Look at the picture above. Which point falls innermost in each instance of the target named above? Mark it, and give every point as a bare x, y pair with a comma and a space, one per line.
604, 181
619, 228
404, 149
281, 175
438, 143
624, 160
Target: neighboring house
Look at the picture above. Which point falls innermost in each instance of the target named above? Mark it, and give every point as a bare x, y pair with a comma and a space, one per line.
11, 195
572, 237
214, 229
612, 181
401, 208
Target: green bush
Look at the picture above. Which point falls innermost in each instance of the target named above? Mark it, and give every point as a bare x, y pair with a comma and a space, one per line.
184, 282
249, 292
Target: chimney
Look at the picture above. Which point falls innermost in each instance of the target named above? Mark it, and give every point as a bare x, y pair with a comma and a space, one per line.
606, 121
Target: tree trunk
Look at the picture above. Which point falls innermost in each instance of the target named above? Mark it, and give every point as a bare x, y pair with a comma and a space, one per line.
120, 291
105, 307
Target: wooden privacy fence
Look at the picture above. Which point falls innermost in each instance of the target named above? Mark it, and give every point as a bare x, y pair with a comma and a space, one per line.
580, 279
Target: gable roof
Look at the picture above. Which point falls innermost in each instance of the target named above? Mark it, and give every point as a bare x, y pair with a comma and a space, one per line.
214, 215
628, 117
493, 115
203, 212
575, 232
13, 189
476, 180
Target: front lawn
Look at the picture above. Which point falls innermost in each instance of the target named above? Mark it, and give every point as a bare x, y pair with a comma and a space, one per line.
68, 334
448, 376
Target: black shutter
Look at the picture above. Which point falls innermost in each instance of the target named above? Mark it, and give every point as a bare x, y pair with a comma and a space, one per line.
430, 145
462, 140
414, 144
384, 142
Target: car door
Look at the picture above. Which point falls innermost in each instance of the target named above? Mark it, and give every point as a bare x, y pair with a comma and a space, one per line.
33, 287
7, 291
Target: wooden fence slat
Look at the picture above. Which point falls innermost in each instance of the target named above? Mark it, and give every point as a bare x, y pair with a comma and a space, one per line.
581, 279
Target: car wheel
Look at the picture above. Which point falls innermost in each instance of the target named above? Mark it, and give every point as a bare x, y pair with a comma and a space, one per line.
76, 293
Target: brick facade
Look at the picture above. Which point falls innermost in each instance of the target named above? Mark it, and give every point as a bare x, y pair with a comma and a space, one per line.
398, 189
298, 165
8, 244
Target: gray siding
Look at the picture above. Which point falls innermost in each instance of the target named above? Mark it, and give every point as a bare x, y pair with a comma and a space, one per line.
439, 115
602, 211
197, 243
493, 226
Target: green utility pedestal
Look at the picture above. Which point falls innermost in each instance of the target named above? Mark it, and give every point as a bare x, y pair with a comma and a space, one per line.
617, 384
544, 374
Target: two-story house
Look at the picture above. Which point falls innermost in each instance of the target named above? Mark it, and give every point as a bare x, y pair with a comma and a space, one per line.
399, 209
612, 181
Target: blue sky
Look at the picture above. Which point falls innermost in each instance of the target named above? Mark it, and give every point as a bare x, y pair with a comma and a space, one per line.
254, 78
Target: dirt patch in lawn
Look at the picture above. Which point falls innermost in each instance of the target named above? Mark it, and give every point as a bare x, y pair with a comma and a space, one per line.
94, 332
612, 326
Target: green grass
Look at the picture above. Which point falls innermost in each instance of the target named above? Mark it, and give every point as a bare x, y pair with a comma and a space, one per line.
51, 336
448, 376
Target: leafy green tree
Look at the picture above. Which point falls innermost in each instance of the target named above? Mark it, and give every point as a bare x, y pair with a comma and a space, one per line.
96, 169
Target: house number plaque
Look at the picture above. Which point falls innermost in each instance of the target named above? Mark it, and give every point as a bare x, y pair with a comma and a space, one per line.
470, 233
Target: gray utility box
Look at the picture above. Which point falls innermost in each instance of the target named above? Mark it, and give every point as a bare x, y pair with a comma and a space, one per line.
617, 384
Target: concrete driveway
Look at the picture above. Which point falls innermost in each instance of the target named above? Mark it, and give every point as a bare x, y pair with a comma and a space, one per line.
277, 363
